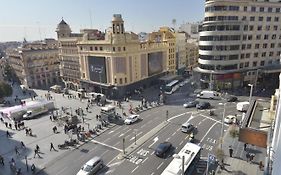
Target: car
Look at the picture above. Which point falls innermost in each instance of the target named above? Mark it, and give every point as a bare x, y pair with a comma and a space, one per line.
187, 127
181, 84
191, 104
230, 119
162, 149
91, 167
131, 119
203, 105
231, 99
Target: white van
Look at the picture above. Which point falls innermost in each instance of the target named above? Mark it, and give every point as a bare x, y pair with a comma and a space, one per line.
209, 95
242, 106
187, 127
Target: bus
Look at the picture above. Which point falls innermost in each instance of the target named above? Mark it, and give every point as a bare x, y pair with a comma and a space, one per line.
171, 87
189, 155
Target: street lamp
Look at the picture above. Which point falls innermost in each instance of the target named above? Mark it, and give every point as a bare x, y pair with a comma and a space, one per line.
251, 92
167, 115
222, 124
135, 130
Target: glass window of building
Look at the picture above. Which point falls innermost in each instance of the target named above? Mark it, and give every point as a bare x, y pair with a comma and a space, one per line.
241, 65
245, 8
262, 63
272, 45
251, 27
249, 46
265, 37
273, 36
91, 48
269, 9
263, 54
277, 10
276, 19
264, 45
252, 18
257, 46
247, 64
250, 37
101, 48
261, 9
256, 54
124, 48
275, 28
96, 48
268, 19
248, 55
258, 37
254, 64
113, 49
260, 18
267, 28
242, 56
271, 54
245, 27
253, 8
259, 28
121, 81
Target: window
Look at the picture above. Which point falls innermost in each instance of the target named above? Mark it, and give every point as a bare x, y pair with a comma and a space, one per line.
244, 37
261, 18
245, 27
115, 80
244, 18
249, 46
96, 48
275, 28
113, 48
243, 46
242, 56
257, 46
251, 28
262, 63
124, 48
119, 49
248, 55
263, 54
125, 80
253, 9
276, 19
265, 37
252, 18
81, 48
270, 54
241, 65
277, 10
245, 8
247, 64
272, 45
259, 28
261, 9
273, 36
254, 64
264, 45
269, 9
268, 19
250, 37
256, 55
101, 48
121, 81
258, 37
91, 48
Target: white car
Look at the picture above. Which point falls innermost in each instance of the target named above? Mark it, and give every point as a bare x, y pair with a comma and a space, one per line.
230, 119
91, 167
131, 119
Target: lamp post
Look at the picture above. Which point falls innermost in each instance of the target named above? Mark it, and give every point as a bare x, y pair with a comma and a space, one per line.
251, 92
222, 124
135, 131
124, 145
167, 115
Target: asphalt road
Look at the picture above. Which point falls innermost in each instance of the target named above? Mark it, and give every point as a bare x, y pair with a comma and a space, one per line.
143, 161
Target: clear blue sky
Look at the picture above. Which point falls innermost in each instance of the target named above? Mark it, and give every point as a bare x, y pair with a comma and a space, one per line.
38, 19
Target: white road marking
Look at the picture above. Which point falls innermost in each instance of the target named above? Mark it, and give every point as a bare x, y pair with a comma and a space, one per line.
121, 135
95, 141
135, 169
116, 134
181, 142
176, 147
116, 163
142, 126
104, 153
116, 143
168, 138
144, 159
178, 129
174, 133
208, 132
151, 145
110, 132
138, 161
106, 139
152, 173
152, 153
160, 165
186, 137
61, 171
180, 115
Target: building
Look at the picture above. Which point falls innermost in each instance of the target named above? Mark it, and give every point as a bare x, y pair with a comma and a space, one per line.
192, 29
239, 41
121, 63
192, 54
68, 52
36, 64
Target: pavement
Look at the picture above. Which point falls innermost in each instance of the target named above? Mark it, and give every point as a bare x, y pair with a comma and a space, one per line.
43, 134
238, 164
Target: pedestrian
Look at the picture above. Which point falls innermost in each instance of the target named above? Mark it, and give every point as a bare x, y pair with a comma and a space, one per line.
26, 131
33, 168
52, 147
97, 117
261, 165
8, 134
22, 145
36, 152
17, 151
245, 146
83, 119
37, 148
30, 131
16, 125
55, 129
65, 129
247, 156
10, 125
6, 124
252, 155
2, 160
230, 151
51, 117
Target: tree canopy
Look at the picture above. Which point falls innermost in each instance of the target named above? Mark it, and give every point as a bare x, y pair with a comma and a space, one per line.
5, 90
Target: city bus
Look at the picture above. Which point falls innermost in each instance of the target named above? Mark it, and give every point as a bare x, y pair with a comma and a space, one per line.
171, 87
191, 155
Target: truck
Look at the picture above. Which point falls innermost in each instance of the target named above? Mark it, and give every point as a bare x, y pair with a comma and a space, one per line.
209, 95
35, 112
242, 106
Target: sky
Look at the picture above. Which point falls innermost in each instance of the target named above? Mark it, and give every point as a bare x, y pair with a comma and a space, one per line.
38, 19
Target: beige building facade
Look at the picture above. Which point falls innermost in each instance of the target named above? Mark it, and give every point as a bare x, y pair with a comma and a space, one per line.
121, 63
36, 64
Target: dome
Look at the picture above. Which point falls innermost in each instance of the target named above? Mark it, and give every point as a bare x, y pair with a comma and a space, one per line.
62, 26
117, 18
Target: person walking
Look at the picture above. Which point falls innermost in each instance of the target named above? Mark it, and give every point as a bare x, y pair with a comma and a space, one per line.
22, 145
17, 151
245, 146
2, 160
52, 147
33, 168
55, 129
36, 152
37, 148
230, 151
8, 134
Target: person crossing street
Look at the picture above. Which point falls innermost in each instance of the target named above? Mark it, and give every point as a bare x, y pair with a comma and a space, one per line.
52, 147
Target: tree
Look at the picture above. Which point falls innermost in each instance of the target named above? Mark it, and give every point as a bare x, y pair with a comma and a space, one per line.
5, 90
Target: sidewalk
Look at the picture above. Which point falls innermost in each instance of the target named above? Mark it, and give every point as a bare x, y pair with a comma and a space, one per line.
237, 164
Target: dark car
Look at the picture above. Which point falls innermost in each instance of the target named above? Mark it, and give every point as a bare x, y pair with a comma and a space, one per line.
162, 149
191, 104
203, 105
231, 99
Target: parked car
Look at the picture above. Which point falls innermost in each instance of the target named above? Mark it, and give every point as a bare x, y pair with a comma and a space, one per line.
91, 167
231, 99
209, 95
242, 106
230, 119
203, 105
191, 104
131, 119
162, 149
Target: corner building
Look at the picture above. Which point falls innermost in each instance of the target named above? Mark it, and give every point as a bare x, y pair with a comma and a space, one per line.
121, 63
239, 40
